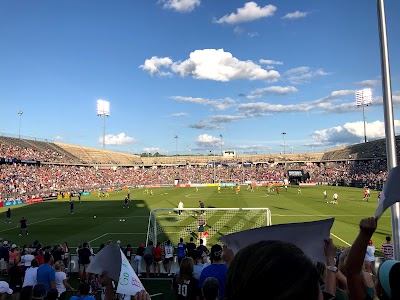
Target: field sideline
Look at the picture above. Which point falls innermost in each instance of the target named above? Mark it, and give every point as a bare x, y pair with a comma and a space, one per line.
51, 222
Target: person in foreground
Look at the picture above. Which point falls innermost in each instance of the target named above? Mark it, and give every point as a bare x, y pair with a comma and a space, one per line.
387, 286
109, 290
278, 270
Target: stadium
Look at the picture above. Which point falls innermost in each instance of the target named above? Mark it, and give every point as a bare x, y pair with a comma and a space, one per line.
198, 149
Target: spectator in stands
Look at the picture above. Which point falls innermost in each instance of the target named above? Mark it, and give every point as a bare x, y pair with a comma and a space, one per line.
181, 250
65, 256
148, 257
46, 274
52, 295
57, 253
185, 286
202, 248
190, 245
26, 293
128, 252
139, 257
16, 274
168, 257
40, 257
387, 286
217, 269
13, 253
370, 255
157, 254
39, 291
84, 256
27, 258
277, 270
210, 288
387, 249
30, 278
83, 292
61, 280
4, 254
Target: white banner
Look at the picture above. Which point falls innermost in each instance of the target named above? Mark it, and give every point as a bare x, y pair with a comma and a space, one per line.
129, 283
391, 192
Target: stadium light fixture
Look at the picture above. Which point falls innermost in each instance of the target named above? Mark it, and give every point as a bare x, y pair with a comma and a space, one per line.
364, 98
20, 113
222, 137
176, 148
103, 110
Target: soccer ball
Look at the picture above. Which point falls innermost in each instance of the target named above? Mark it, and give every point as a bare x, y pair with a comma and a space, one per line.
123, 220
120, 220
94, 217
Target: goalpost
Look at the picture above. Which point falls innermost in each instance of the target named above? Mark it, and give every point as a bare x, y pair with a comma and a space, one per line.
174, 223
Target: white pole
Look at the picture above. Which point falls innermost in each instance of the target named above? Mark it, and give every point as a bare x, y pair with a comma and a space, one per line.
365, 126
389, 120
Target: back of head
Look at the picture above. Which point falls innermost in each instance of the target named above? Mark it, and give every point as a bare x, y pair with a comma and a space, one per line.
52, 294
210, 288
47, 257
275, 269
389, 278
191, 239
26, 293
388, 239
39, 290
83, 289
181, 240
185, 270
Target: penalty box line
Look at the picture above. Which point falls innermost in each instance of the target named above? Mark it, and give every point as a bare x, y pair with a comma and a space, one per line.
120, 233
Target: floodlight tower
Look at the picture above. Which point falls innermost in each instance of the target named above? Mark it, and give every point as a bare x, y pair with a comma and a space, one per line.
176, 148
364, 98
103, 110
222, 137
20, 113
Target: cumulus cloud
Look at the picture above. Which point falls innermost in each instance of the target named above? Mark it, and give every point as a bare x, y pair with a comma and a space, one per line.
153, 65
249, 12
295, 15
219, 65
181, 5
270, 62
303, 75
253, 34
180, 114
348, 133
252, 147
214, 122
208, 141
218, 104
211, 64
278, 90
119, 139
58, 138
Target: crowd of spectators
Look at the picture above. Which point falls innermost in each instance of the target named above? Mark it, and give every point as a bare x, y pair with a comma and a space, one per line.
22, 180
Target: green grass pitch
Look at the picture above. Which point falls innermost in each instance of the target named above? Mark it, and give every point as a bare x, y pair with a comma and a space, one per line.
51, 222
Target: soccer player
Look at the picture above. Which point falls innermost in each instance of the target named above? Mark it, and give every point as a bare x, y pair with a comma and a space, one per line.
201, 224
219, 189
286, 187
23, 226
126, 202
325, 196
277, 190
201, 205
71, 206
180, 206
299, 190
128, 196
335, 198
8, 216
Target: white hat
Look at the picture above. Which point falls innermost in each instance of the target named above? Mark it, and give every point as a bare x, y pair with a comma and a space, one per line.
118, 242
5, 242
5, 288
13, 246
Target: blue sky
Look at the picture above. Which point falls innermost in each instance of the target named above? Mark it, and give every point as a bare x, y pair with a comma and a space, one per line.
196, 69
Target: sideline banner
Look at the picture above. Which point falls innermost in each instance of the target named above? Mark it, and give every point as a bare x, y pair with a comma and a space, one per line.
308, 184
34, 200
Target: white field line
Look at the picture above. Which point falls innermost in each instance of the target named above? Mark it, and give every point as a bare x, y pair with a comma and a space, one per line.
103, 235
120, 233
16, 227
361, 216
340, 239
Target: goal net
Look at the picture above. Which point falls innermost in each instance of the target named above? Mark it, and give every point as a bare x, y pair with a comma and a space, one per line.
173, 223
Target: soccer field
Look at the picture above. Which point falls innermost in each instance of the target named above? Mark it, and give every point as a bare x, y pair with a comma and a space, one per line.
51, 222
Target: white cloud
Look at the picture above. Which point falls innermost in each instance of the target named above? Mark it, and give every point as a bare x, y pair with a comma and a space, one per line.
270, 62
303, 75
295, 15
351, 132
238, 30
151, 149
181, 5
206, 140
205, 125
219, 65
218, 104
225, 119
253, 34
250, 12
278, 90
369, 83
154, 64
119, 139
58, 138
181, 114
252, 147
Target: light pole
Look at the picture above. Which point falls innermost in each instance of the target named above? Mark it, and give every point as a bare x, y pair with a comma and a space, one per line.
364, 98
20, 113
176, 148
221, 136
103, 110
284, 144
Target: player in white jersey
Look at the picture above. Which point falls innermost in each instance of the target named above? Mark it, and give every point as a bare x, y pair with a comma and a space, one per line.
325, 196
335, 198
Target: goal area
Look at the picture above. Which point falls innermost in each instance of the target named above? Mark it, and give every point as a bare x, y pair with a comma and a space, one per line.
173, 223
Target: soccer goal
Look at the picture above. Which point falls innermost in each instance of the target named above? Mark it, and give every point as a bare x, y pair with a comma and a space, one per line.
173, 223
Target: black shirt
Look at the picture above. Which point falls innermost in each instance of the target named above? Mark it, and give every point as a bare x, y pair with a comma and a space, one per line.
84, 256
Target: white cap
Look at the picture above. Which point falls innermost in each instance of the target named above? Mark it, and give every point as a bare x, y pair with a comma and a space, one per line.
118, 242
5, 288
13, 246
5, 243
